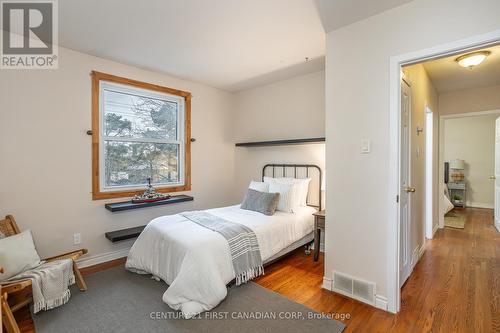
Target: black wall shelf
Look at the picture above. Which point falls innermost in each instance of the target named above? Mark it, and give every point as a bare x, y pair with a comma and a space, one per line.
281, 142
128, 205
123, 234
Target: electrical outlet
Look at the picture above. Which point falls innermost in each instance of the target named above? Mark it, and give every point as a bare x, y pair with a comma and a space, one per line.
77, 238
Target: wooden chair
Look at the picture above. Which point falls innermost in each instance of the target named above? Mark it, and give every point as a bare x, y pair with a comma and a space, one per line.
17, 294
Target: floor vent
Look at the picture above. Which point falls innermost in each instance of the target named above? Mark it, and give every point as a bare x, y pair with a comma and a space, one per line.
358, 289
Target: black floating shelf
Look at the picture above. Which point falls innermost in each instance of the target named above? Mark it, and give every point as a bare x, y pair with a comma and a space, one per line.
128, 205
123, 234
281, 142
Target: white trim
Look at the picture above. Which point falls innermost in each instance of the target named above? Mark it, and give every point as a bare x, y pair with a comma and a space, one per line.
327, 283
102, 258
321, 245
393, 289
480, 205
436, 227
497, 225
381, 302
469, 114
429, 172
421, 252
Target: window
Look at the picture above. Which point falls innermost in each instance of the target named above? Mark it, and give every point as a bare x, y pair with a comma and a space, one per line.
140, 131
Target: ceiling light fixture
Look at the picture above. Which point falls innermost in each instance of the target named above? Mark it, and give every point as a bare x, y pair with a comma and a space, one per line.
470, 60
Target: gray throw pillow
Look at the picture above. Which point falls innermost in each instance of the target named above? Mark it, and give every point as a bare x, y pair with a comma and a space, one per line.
262, 202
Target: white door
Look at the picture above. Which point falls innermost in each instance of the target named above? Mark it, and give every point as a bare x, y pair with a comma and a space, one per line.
497, 174
406, 188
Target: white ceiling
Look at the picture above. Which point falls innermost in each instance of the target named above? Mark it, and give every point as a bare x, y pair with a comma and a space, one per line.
223, 43
229, 44
338, 13
447, 75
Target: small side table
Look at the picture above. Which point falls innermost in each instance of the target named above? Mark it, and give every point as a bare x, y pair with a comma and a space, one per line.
459, 190
319, 224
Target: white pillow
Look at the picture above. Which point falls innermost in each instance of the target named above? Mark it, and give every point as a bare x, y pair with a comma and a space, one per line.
303, 186
304, 191
259, 186
288, 196
17, 254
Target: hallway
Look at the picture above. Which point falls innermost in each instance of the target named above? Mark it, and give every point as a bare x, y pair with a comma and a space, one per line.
454, 288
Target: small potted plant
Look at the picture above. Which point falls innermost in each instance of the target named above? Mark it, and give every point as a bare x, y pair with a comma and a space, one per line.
457, 199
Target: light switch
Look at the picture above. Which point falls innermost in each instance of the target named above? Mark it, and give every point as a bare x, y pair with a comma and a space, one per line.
365, 146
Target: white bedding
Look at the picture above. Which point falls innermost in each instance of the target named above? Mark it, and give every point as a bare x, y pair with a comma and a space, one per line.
195, 262
448, 205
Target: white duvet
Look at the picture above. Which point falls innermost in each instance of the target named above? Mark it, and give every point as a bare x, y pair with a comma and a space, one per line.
195, 262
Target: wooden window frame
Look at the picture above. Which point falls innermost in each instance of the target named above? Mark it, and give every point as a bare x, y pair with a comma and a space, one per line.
97, 77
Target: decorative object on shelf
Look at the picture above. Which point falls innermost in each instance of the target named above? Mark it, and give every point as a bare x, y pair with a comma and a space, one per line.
128, 205
457, 166
150, 195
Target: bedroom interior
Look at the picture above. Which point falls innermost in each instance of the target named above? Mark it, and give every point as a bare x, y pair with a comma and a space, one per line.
228, 176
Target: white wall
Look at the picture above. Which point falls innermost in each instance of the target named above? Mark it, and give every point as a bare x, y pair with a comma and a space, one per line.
45, 154
290, 109
423, 95
357, 107
470, 100
473, 140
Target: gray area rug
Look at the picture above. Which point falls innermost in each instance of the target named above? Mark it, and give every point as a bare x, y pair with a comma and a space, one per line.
120, 301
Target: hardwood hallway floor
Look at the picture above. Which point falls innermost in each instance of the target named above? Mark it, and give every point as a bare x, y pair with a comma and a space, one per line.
454, 288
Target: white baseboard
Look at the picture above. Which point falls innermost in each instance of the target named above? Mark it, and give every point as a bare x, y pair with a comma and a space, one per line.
415, 256
102, 258
321, 247
480, 205
381, 302
421, 251
327, 283
434, 229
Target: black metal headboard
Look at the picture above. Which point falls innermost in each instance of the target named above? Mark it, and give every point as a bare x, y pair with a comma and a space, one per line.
297, 171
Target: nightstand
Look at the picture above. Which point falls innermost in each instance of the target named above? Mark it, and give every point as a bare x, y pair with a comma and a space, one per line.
319, 224
458, 190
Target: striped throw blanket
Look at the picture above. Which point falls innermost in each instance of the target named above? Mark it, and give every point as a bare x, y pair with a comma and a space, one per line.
243, 244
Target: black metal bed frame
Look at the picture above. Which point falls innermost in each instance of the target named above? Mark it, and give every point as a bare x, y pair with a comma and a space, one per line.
285, 167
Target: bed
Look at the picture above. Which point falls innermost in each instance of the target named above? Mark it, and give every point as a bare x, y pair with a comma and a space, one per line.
195, 262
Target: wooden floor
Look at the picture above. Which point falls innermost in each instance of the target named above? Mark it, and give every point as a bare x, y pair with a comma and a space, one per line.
454, 288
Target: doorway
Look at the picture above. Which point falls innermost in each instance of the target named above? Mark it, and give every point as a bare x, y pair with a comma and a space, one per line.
469, 157
398, 246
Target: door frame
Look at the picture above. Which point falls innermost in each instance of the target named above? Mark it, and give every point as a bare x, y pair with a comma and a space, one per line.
396, 63
441, 150
429, 173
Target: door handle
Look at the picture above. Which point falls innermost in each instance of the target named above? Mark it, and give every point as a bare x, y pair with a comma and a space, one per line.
410, 189
493, 177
